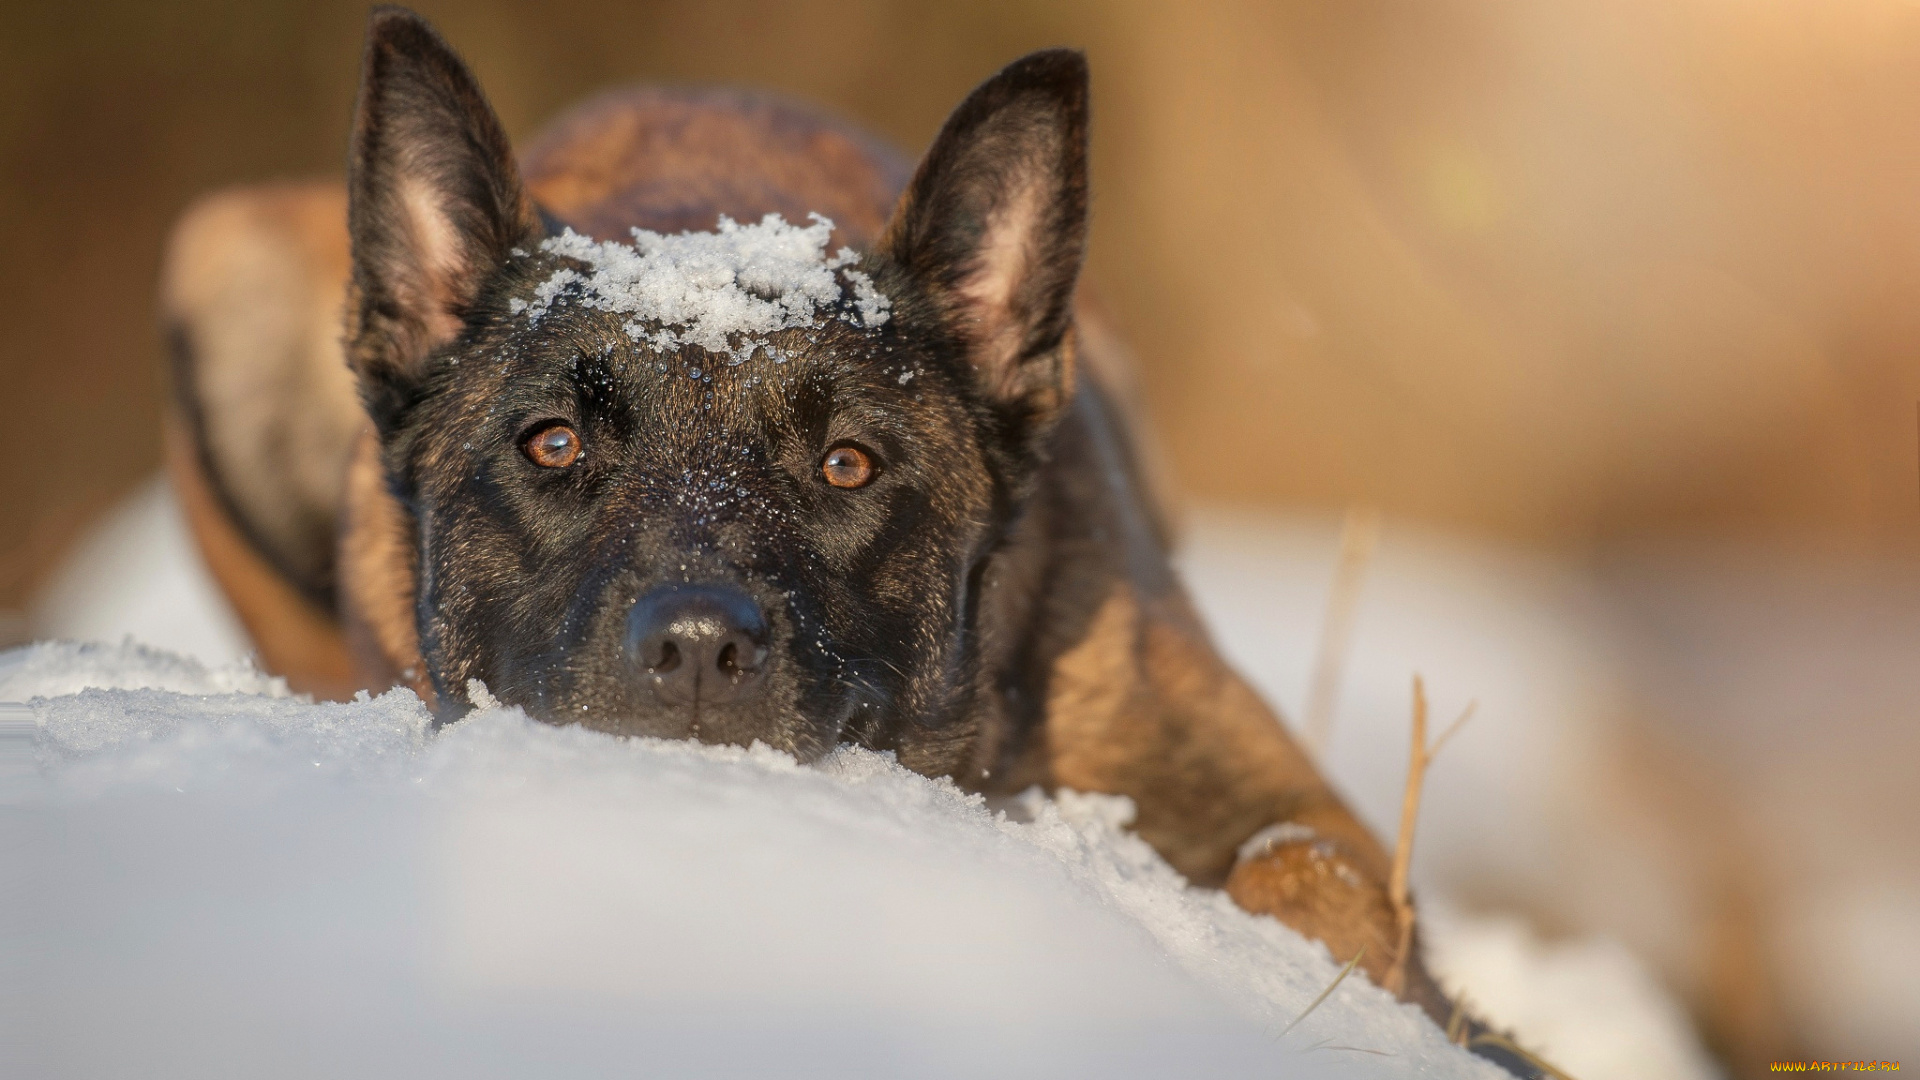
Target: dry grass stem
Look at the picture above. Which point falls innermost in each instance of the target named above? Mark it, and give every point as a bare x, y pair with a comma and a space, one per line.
1418, 759
1328, 992
1456, 1022
1358, 536
1326, 1045
1490, 1039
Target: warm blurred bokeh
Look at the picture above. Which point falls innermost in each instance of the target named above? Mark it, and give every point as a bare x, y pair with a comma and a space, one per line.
1567, 272
1633, 281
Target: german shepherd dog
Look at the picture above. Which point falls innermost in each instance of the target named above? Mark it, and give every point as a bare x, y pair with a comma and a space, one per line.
725, 486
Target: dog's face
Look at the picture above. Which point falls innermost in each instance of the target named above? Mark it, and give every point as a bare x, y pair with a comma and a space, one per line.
730, 487
674, 541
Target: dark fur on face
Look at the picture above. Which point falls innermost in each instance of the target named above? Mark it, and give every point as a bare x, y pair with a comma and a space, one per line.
697, 471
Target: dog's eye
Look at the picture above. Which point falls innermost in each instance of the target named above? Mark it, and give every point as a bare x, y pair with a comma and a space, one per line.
847, 467
553, 447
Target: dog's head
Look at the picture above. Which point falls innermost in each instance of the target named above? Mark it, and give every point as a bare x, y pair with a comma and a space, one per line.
730, 486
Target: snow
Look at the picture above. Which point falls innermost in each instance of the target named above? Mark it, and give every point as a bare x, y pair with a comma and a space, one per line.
214, 862
1585, 1000
138, 573
726, 290
223, 880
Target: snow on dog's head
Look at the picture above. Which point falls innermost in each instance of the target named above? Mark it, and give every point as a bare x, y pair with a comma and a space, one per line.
724, 291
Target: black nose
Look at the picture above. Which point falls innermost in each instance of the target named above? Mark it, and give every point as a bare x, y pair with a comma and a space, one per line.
698, 643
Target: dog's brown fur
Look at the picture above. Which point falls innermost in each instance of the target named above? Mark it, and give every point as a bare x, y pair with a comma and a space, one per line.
1132, 698
253, 285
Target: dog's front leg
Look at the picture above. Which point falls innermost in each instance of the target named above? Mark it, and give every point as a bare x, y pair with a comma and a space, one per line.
1142, 706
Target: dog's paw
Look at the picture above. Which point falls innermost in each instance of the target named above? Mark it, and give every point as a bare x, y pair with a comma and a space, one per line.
1312, 884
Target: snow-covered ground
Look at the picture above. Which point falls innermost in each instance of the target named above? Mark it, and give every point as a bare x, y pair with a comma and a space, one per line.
228, 881
219, 879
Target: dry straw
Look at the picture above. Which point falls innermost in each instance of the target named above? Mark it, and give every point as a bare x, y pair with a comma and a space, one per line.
1419, 759
1359, 535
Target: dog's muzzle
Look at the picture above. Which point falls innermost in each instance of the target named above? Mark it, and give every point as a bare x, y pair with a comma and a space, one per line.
698, 644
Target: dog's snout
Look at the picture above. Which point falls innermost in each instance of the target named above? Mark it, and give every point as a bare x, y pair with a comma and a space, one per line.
698, 643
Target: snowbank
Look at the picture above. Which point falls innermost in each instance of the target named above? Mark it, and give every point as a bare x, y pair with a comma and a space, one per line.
1476, 625
223, 880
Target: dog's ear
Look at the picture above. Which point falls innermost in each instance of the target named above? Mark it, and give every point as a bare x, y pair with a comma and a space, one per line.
435, 205
994, 224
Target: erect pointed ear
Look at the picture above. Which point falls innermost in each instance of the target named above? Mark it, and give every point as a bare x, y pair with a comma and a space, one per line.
994, 223
435, 205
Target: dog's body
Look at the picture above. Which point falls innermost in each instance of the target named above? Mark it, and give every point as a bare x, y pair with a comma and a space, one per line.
995, 605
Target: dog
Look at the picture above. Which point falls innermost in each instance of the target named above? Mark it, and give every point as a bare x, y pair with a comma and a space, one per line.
709, 417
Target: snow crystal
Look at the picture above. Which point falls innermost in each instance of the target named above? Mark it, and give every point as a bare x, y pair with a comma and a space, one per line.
222, 883
724, 290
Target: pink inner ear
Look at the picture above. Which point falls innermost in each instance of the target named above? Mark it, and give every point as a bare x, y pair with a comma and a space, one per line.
440, 262
991, 288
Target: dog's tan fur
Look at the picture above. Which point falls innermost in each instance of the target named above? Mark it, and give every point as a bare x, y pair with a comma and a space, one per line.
253, 287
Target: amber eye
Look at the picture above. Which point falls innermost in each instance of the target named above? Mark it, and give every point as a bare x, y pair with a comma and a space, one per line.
554, 447
847, 467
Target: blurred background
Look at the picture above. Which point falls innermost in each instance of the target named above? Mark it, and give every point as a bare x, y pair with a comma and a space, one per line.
1609, 306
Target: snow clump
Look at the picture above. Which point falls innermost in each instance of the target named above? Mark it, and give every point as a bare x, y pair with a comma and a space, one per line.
723, 290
